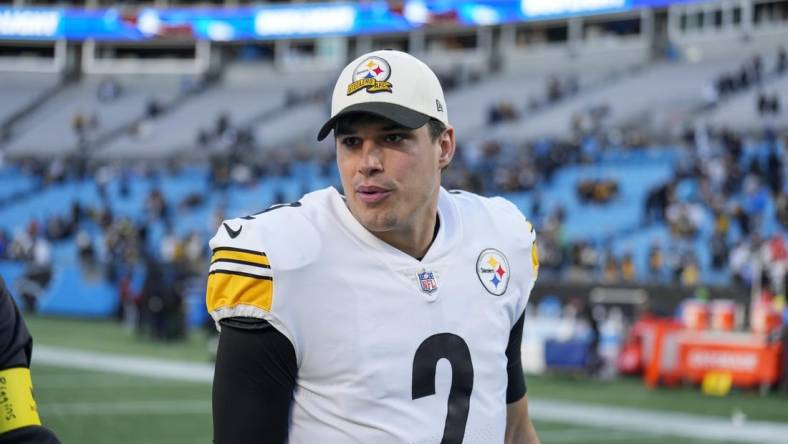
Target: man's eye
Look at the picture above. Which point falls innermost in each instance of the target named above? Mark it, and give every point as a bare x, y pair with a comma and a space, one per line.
394, 138
350, 141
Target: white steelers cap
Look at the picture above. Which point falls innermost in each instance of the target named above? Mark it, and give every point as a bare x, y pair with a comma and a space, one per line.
390, 84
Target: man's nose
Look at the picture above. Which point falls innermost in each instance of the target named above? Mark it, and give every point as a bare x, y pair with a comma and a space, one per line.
371, 158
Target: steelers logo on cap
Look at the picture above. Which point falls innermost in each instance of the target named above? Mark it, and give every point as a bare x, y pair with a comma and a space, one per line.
493, 271
372, 74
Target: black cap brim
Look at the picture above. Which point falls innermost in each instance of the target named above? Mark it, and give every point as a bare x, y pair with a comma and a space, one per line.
396, 113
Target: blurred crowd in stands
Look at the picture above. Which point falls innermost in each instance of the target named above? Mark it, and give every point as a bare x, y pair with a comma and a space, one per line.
151, 277
557, 88
753, 73
735, 191
735, 188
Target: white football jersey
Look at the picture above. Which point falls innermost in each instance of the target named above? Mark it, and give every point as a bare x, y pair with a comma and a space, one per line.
390, 349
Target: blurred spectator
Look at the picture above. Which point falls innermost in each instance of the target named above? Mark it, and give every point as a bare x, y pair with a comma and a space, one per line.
628, 272
38, 271
5, 243
109, 89
719, 251
655, 261
684, 219
657, 201
768, 104
611, 268
554, 91
153, 108
585, 314
501, 112
781, 205
85, 249
739, 262
742, 219
79, 125
774, 171
129, 305
597, 191
156, 206
774, 260
782, 61
690, 271
222, 124
169, 247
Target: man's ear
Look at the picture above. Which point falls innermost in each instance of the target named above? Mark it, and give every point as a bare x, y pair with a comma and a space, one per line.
447, 146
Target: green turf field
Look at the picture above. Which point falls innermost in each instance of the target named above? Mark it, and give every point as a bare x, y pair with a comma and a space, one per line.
88, 407
111, 337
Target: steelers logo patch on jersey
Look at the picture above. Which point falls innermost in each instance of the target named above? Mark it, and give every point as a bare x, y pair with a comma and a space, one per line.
371, 74
493, 271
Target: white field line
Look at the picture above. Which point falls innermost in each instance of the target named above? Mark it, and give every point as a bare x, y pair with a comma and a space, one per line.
125, 364
590, 415
102, 380
659, 423
588, 435
127, 408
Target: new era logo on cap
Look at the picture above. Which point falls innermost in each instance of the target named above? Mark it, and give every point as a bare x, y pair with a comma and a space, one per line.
391, 84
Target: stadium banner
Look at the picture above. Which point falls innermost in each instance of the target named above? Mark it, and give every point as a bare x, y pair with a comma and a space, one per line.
289, 21
216, 24
495, 12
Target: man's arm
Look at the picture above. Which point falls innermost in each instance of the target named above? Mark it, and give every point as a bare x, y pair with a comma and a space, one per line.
519, 428
20, 423
253, 383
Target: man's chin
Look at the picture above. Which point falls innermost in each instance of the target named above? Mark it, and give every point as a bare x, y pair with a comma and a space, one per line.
376, 223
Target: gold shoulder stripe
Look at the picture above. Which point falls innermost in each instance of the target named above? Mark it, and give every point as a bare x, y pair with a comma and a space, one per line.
230, 289
237, 254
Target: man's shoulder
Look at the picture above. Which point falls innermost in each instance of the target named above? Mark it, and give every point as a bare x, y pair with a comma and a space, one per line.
284, 232
491, 210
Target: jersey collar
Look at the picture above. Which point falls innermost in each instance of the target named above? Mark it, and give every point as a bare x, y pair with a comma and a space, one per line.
448, 234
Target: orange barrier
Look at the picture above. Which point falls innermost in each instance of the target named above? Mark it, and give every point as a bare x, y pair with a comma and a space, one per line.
750, 359
764, 318
689, 355
695, 314
723, 315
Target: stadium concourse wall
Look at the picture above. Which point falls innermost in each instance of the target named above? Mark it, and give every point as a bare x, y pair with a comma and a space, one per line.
634, 298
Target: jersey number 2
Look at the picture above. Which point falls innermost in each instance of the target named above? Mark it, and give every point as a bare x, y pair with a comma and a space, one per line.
455, 350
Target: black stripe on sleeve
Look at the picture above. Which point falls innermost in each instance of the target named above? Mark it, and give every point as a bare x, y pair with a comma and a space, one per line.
238, 261
238, 250
240, 273
516, 387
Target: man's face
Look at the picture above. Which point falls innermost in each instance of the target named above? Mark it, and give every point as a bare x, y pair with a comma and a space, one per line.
390, 174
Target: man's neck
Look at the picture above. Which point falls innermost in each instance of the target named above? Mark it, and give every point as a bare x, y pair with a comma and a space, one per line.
415, 243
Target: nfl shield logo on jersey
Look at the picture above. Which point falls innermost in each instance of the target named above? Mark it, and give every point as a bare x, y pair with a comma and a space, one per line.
493, 271
427, 282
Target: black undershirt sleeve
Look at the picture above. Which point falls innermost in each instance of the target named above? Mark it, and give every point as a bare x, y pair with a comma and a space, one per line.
516, 388
253, 383
16, 348
16, 345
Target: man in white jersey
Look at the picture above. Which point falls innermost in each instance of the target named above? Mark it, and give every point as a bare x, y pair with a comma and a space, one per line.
392, 313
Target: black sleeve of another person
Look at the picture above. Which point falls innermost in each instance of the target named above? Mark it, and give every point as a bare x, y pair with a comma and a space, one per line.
253, 383
16, 346
516, 388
